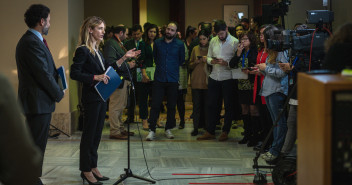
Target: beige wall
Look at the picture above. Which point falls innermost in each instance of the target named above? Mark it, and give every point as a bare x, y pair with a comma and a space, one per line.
75, 20
158, 12
343, 13
114, 12
297, 11
208, 10
62, 34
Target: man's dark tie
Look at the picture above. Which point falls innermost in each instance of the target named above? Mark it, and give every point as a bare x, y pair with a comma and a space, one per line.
46, 44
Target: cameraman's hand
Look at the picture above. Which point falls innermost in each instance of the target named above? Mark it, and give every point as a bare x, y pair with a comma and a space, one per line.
285, 67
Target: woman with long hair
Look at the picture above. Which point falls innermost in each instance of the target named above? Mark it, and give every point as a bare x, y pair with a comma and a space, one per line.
275, 88
245, 59
147, 73
265, 118
198, 64
88, 68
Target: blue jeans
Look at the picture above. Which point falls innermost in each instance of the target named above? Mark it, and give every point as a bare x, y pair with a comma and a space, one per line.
275, 103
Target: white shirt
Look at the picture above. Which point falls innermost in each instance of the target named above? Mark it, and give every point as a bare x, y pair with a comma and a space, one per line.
223, 51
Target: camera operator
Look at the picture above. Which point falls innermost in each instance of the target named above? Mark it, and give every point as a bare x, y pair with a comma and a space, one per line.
292, 69
275, 91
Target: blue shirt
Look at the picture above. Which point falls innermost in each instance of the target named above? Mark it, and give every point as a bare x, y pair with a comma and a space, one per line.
168, 57
36, 33
275, 79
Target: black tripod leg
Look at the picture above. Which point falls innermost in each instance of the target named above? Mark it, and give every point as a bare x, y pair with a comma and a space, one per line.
123, 177
60, 130
142, 178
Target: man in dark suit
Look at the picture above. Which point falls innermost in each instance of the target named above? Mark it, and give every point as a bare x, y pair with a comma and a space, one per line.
38, 88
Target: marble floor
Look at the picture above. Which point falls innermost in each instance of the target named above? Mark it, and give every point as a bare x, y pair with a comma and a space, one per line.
183, 160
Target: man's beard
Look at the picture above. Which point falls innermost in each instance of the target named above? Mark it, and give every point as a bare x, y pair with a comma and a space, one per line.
169, 37
45, 30
224, 38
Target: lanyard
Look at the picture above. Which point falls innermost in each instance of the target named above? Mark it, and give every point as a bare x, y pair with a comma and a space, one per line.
137, 45
293, 64
244, 59
260, 60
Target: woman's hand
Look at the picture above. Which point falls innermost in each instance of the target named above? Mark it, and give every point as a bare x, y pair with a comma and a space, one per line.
240, 48
261, 66
145, 78
285, 67
105, 78
246, 71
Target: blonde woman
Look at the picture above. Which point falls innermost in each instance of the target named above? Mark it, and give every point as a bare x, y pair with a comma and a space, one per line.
88, 68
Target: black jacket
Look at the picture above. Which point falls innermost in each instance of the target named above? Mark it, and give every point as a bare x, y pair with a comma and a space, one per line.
38, 89
85, 66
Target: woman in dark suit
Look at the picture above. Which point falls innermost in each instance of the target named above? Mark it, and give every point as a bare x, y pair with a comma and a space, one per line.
88, 67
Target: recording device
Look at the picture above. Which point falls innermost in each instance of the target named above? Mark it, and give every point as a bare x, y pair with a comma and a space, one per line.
300, 40
214, 58
199, 57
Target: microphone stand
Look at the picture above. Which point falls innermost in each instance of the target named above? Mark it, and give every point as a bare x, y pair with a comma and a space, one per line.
128, 172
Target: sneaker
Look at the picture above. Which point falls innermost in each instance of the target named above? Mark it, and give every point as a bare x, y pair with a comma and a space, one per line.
151, 136
268, 157
168, 134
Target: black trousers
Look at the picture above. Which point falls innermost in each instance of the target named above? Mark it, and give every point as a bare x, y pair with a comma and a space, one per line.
237, 106
159, 90
39, 126
145, 91
131, 101
199, 98
215, 90
94, 116
181, 104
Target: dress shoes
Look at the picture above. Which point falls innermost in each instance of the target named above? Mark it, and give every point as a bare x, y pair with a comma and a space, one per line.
244, 140
84, 178
118, 136
224, 136
126, 134
206, 136
103, 178
194, 132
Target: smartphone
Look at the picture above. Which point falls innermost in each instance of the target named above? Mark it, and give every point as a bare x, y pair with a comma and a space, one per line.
280, 62
199, 57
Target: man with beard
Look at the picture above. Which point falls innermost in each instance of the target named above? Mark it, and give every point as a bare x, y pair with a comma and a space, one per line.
113, 51
220, 83
38, 89
169, 54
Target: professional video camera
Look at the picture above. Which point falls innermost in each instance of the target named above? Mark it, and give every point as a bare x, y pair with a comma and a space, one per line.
308, 39
301, 40
307, 44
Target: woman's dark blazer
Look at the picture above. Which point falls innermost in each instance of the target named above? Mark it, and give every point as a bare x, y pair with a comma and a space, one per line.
85, 66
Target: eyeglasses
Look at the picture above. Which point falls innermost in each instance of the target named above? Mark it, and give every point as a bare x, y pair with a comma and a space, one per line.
244, 39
